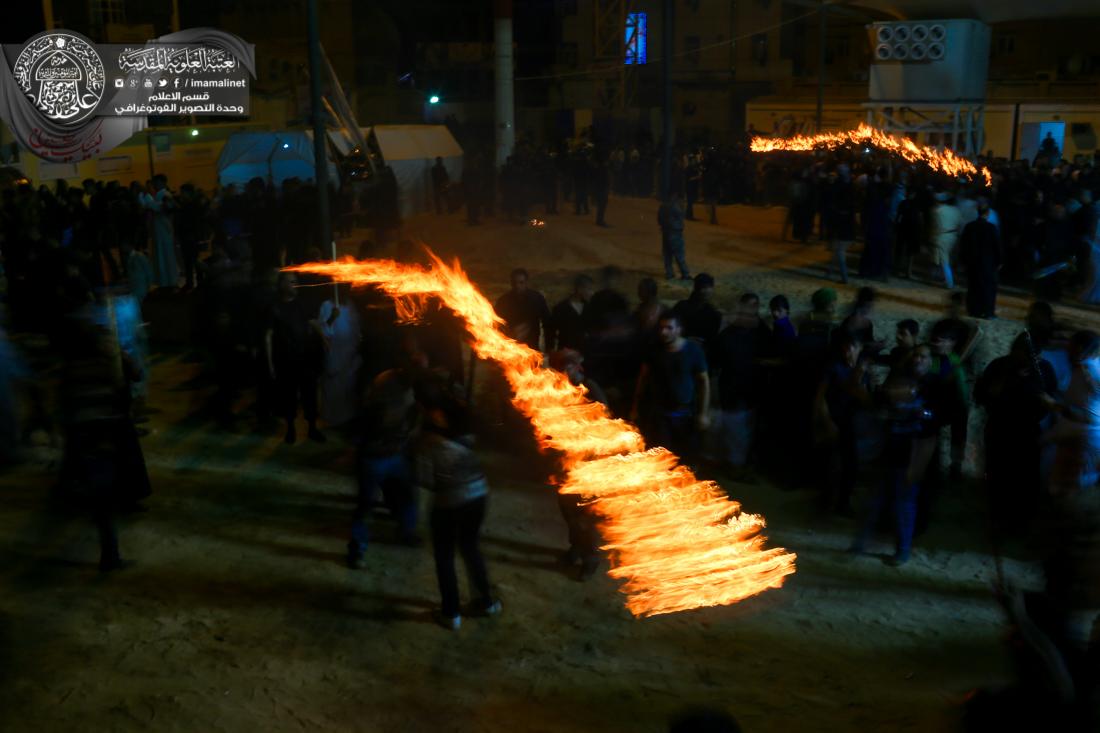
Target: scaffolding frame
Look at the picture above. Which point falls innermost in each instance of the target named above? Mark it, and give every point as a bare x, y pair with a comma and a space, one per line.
959, 124
617, 85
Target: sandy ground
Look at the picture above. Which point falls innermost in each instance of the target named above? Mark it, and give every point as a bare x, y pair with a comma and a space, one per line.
241, 616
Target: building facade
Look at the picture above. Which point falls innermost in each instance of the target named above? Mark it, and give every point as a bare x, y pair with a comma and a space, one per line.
737, 63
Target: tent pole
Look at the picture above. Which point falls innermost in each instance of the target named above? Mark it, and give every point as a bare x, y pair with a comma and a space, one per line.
320, 152
335, 285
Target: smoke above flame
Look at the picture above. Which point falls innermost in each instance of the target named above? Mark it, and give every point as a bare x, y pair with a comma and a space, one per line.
676, 542
945, 161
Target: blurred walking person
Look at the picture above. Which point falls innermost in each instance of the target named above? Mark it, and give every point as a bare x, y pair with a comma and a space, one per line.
842, 221
1016, 391
191, 228
980, 252
841, 393
104, 468
945, 225
388, 427
1072, 532
910, 434
163, 206
448, 468
293, 347
908, 233
342, 360
584, 539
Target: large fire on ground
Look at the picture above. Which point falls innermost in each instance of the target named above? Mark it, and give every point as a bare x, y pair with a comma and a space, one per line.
945, 160
675, 541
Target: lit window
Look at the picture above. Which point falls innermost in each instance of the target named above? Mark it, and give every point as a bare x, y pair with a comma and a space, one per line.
636, 46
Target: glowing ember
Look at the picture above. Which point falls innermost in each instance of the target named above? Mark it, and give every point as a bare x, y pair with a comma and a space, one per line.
677, 542
946, 161
537, 223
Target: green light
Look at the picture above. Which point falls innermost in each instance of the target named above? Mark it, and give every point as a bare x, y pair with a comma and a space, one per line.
194, 132
434, 99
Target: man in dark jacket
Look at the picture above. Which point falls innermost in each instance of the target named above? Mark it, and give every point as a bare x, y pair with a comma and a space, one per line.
737, 354
524, 311
1014, 391
700, 319
191, 229
568, 319
842, 221
293, 347
670, 217
672, 395
980, 249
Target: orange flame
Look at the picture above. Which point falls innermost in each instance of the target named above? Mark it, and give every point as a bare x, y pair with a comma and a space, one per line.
946, 161
677, 542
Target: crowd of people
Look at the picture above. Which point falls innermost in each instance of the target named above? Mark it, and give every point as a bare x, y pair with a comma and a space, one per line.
738, 392
742, 393
582, 175
1035, 227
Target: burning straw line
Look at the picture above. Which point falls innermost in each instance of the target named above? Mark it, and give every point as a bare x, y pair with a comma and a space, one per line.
945, 161
675, 541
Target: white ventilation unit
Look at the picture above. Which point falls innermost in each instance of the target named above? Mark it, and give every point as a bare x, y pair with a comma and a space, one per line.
929, 60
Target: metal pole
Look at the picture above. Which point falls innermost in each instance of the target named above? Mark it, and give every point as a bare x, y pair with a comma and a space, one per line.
47, 14
1015, 132
668, 18
320, 148
822, 13
505, 86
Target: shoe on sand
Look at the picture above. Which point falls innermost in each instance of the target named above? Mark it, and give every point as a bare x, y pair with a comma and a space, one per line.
451, 623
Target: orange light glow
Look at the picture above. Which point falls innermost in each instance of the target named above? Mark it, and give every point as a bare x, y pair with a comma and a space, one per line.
945, 161
675, 541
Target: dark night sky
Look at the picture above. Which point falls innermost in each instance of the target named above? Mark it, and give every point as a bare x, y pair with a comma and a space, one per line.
21, 22
419, 21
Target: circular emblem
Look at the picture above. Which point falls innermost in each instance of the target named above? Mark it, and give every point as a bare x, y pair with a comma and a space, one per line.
62, 74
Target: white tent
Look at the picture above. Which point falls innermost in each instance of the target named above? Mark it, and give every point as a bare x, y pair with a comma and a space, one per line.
272, 156
411, 150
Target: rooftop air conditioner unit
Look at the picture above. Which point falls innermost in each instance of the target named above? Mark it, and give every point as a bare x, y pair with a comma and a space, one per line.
928, 61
